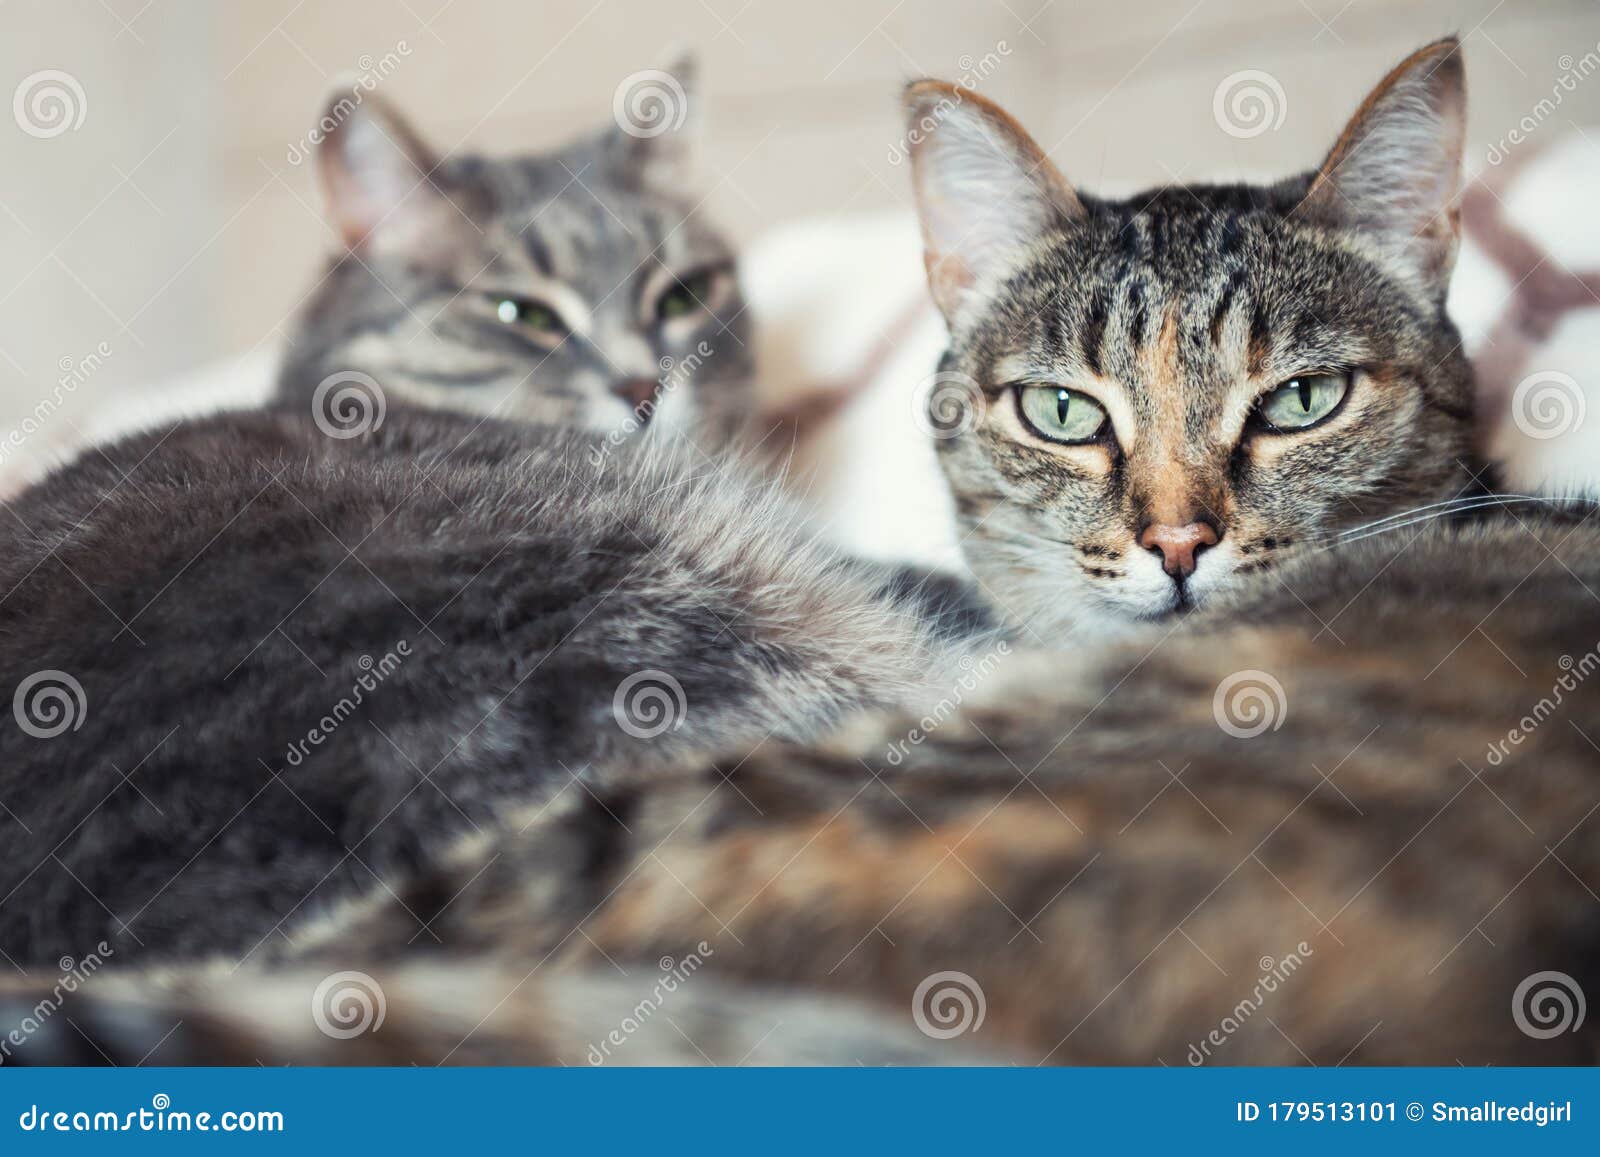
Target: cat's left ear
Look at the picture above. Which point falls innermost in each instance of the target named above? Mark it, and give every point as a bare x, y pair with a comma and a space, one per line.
655, 141
1395, 171
383, 185
985, 191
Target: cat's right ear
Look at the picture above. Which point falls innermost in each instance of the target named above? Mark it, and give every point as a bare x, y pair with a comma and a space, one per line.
985, 191
378, 179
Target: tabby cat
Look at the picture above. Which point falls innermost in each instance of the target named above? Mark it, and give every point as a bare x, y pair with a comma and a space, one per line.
1155, 401
580, 286
1340, 809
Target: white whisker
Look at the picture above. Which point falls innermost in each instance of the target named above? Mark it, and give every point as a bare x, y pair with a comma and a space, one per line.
1467, 501
1482, 502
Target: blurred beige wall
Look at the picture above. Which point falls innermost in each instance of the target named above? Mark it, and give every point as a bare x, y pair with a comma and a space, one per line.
164, 222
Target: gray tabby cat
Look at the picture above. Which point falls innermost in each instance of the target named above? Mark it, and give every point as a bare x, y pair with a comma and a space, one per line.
1114, 853
580, 286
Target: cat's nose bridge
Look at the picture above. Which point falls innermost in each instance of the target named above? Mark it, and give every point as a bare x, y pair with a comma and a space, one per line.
1176, 484
624, 349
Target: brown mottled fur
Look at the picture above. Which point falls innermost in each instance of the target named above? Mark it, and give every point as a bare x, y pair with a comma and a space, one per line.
1110, 883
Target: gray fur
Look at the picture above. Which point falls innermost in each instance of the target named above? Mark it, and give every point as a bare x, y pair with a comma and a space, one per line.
230, 594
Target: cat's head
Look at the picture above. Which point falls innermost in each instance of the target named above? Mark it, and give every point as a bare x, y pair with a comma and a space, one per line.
1152, 402
579, 286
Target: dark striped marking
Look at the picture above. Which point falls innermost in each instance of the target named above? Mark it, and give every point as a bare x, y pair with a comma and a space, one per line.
1260, 339
1219, 316
1094, 331
1138, 318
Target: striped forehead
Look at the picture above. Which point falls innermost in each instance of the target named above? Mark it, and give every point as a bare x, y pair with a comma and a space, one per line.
1162, 309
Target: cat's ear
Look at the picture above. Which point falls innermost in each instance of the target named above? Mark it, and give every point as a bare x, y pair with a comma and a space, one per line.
655, 141
984, 189
379, 179
1396, 169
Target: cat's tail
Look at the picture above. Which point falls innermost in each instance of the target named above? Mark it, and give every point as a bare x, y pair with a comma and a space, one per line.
445, 1011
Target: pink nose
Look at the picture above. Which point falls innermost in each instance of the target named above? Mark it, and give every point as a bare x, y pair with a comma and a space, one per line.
1178, 545
636, 392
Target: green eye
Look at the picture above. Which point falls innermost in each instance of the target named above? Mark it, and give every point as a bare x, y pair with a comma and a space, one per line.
1060, 414
1304, 401
533, 315
685, 297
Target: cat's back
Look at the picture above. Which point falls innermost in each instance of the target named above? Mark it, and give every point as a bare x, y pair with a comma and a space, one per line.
249, 656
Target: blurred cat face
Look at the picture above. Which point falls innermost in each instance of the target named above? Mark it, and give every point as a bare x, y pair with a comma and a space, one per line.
576, 287
1153, 403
